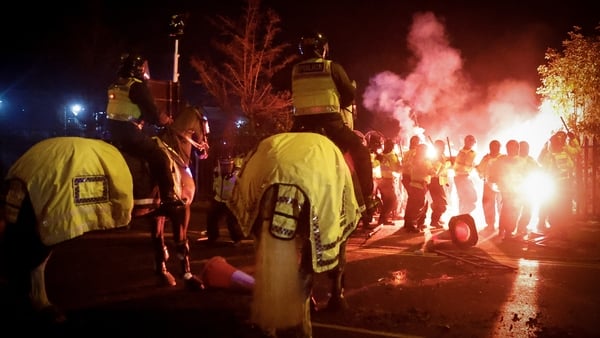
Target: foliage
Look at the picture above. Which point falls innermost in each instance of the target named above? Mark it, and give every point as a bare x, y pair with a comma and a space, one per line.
248, 57
571, 81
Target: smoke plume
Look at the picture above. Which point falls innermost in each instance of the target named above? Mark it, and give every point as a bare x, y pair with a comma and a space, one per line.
439, 100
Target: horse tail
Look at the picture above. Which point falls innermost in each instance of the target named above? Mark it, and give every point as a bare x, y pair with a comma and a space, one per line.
279, 299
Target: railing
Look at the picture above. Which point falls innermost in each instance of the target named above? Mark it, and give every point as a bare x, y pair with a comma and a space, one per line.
588, 180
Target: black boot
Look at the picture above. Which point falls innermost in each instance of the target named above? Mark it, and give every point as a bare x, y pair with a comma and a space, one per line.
170, 204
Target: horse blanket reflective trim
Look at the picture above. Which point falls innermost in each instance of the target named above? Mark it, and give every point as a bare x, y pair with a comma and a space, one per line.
76, 185
313, 164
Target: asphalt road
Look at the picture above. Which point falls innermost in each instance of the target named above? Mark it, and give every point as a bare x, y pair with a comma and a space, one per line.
106, 285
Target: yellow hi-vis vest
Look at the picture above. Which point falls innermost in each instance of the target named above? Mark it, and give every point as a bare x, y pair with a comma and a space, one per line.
390, 164
464, 162
120, 106
561, 165
407, 162
223, 185
313, 89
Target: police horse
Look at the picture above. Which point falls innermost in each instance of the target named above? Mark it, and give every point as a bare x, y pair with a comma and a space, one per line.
295, 196
64, 187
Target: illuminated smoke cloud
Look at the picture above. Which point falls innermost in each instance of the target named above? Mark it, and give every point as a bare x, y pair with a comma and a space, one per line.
437, 97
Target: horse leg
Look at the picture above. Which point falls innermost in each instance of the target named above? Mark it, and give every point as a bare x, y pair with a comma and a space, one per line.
45, 310
180, 221
307, 280
25, 257
161, 253
337, 300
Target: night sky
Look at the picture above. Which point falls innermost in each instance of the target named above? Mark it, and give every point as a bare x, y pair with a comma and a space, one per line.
64, 51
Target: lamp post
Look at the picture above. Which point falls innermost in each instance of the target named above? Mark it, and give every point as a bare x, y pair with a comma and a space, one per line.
71, 111
65, 121
176, 32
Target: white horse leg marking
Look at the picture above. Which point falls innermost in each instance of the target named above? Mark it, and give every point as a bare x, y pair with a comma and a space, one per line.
38, 295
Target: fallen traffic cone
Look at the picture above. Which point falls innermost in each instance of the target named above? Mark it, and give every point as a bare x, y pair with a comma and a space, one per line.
463, 231
217, 273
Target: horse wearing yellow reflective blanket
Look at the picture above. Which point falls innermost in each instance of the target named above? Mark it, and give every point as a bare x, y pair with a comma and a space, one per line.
64, 187
295, 195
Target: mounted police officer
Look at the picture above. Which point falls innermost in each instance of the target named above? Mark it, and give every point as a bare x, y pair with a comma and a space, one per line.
320, 88
130, 106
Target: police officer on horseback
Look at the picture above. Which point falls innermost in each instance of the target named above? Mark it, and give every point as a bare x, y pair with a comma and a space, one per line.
320, 88
130, 106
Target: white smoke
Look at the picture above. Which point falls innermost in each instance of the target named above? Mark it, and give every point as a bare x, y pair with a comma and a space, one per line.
438, 98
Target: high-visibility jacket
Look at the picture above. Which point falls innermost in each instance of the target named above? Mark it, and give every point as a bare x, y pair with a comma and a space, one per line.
560, 164
485, 163
441, 165
313, 89
508, 172
119, 105
390, 164
464, 162
223, 184
421, 171
407, 161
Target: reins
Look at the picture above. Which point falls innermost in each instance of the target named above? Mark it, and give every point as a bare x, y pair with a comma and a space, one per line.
177, 156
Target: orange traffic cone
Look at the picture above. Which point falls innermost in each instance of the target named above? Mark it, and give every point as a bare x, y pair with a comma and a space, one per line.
217, 273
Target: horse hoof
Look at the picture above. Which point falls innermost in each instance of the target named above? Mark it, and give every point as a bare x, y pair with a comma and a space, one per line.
337, 304
194, 284
166, 279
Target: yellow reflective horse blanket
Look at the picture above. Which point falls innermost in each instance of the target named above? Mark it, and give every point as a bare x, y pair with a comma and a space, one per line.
315, 165
76, 185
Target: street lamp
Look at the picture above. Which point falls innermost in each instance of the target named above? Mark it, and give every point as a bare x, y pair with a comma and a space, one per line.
74, 110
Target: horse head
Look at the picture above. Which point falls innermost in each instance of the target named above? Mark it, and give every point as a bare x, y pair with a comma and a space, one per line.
192, 126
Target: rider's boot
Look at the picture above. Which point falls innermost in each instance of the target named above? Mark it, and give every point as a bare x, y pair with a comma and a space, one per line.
161, 255
169, 203
192, 282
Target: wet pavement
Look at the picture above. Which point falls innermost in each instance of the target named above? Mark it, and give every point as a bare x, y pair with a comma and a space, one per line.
396, 286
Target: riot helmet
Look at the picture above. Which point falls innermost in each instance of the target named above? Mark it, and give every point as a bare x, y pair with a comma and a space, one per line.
523, 148
388, 145
469, 141
314, 44
414, 141
494, 147
134, 65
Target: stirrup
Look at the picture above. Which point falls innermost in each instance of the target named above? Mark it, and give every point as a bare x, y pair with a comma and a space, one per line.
172, 202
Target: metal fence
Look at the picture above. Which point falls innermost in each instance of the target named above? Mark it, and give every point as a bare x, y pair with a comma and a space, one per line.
588, 180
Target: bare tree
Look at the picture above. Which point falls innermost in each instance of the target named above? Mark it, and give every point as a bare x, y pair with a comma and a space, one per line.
570, 81
248, 57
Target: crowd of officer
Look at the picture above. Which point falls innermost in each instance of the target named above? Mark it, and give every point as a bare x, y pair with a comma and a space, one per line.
505, 198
